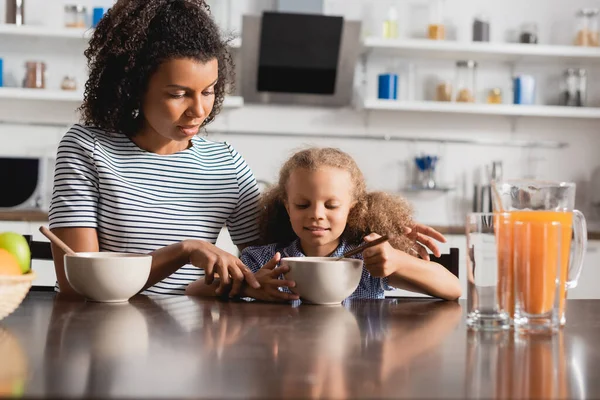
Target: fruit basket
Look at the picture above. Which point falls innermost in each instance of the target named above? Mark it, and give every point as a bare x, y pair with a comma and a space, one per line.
13, 289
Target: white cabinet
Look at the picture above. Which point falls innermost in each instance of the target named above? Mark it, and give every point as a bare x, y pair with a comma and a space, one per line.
589, 280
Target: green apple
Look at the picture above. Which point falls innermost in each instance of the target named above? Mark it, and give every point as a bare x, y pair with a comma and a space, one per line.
17, 245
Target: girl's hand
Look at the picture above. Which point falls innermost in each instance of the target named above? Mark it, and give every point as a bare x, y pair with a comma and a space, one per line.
381, 260
230, 268
269, 284
423, 237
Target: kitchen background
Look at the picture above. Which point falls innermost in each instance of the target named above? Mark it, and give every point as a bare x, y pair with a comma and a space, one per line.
384, 136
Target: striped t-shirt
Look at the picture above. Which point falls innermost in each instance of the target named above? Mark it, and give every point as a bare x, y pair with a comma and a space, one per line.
139, 201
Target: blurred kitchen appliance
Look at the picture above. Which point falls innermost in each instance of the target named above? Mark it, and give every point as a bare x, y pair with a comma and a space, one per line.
482, 195
28, 183
426, 171
295, 58
574, 88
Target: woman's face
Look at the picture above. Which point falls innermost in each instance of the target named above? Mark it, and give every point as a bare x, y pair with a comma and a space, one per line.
318, 203
180, 96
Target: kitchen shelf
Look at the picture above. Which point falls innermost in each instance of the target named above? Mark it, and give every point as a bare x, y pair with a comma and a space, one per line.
438, 189
44, 32
65, 33
391, 138
481, 51
76, 97
484, 109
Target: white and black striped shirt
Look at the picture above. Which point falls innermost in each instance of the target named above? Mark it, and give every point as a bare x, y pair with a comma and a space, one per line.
140, 201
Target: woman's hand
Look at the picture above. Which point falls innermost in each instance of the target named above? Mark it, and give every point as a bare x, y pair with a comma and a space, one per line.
381, 260
216, 261
267, 276
423, 237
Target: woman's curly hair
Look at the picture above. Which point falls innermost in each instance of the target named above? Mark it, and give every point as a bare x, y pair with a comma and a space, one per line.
130, 42
373, 212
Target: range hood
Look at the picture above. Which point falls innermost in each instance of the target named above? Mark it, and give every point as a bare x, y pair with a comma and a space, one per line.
294, 58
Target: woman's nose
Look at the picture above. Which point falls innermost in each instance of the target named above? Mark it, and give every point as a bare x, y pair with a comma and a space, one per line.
197, 108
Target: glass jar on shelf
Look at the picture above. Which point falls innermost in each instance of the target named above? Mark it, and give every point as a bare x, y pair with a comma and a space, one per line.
588, 33
481, 28
443, 91
68, 83
35, 75
436, 29
529, 33
75, 16
464, 87
494, 96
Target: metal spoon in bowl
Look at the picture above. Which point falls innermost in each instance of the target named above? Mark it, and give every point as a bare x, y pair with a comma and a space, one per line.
360, 249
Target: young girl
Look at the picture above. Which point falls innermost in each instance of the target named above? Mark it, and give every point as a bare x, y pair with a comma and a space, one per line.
320, 208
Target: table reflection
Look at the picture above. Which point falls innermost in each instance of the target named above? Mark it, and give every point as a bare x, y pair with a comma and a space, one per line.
14, 367
507, 364
174, 346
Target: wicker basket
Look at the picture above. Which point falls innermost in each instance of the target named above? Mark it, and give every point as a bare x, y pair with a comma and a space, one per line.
13, 290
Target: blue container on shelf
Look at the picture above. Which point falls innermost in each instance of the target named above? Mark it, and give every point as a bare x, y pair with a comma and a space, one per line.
524, 90
387, 86
97, 15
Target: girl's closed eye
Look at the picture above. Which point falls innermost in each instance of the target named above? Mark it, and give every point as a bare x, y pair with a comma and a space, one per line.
177, 95
301, 206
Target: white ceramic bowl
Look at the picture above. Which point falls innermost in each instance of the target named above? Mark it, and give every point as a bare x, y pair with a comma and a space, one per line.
322, 280
107, 277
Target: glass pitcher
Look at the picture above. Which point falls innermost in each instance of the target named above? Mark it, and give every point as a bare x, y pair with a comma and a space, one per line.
542, 201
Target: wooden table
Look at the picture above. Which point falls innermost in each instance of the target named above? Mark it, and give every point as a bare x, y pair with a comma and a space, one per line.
177, 347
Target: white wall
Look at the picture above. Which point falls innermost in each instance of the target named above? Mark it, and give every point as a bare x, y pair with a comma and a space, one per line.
385, 164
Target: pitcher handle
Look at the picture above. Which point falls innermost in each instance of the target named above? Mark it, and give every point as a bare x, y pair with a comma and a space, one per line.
580, 240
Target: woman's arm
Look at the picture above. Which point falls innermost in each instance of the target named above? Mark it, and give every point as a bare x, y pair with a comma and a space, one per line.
267, 275
165, 261
79, 240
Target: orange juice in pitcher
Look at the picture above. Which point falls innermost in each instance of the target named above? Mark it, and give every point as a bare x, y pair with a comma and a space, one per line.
531, 204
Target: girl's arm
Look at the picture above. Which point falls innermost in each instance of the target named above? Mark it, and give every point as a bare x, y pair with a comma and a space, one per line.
424, 276
407, 272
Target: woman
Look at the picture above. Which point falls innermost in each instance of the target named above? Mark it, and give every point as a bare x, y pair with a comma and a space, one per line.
135, 176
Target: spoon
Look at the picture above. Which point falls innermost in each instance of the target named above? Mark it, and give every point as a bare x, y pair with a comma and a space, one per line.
54, 239
359, 249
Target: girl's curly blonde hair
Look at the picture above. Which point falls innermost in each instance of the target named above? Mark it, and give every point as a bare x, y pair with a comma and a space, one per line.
373, 212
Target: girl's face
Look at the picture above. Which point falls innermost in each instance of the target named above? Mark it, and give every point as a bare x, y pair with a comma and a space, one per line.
318, 203
179, 97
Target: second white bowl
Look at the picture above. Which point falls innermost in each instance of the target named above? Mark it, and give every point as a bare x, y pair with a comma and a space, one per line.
322, 280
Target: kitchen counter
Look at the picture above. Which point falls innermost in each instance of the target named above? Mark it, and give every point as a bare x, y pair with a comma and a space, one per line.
24, 215
178, 347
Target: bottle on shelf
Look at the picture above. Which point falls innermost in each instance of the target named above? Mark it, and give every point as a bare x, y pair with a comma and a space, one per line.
390, 24
436, 29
